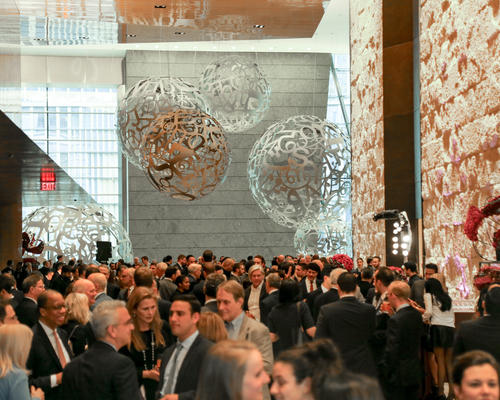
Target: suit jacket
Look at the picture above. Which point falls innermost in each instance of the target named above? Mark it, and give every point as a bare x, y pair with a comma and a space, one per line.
100, 373
167, 289
401, 361
27, 312
263, 295
303, 285
258, 334
210, 306
350, 325
325, 298
479, 334
267, 305
417, 292
189, 371
113, 290
99, 299
43, 361
198, 291
164, 308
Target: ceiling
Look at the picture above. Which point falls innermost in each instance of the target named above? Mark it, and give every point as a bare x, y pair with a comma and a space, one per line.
94, 26
21, 161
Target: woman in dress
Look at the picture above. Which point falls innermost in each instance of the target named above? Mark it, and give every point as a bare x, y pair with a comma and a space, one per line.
15, 344
148, 338
290, 320
439, 312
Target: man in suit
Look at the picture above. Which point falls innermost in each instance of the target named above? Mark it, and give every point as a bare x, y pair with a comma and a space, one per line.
210, 289
143, 276
87, 288
27, 310
311, 282
401, 361
330, 296
273, 283
181, 362
100, 282
101, 372
112, 289
482, 333
241, 327
126, 280
255, 293
167, 286
350, 324
49, 352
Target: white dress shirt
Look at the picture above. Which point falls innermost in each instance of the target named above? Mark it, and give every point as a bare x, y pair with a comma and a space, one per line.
50, 334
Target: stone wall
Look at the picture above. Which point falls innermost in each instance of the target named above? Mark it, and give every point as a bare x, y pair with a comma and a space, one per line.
228, 221
460, 105
367, 128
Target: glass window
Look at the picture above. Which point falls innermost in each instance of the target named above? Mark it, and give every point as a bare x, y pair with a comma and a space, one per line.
77, 128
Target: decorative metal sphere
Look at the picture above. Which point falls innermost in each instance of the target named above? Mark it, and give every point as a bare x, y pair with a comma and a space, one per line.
185, 153
147, 100
298, 168
237, 92
324, 238
74, 230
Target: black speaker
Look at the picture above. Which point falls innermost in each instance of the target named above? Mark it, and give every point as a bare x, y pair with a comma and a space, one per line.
103, 251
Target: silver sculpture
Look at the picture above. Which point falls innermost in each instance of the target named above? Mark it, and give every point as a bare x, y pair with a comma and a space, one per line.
323, 237
147, 100
74, 230
238, 94
300, 169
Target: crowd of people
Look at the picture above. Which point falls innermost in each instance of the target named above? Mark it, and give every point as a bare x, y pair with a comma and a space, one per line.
205, 328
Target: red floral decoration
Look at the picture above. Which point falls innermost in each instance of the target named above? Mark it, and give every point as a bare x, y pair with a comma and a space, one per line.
343, 261
473, 222
496, 239
487, 275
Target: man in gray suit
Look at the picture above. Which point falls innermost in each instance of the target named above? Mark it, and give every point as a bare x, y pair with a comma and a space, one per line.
230, 297
100, 282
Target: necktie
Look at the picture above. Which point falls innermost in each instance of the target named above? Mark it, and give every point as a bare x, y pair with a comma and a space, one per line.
311, 288
59, 348
230, 330
169, 384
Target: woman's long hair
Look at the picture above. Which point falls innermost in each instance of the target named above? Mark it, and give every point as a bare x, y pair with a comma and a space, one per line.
223, 370
433, 286
139, 294
15, 344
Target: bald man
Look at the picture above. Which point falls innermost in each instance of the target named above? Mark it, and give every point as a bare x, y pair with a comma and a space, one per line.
99, 280
86, 287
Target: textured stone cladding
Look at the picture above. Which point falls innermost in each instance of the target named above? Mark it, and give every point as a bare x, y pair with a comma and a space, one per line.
228, 221
367, 128
460, 124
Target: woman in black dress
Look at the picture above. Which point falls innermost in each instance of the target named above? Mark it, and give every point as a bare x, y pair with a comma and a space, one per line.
149, 338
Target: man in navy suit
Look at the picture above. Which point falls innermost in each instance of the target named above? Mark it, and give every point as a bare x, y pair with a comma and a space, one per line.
181, 362
49, 352
401, 360
27, 310
273, 283
350, 324
101, 372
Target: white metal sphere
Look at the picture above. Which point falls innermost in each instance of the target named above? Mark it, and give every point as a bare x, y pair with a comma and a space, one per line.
147, 100
74, 230
300, 169
238, 94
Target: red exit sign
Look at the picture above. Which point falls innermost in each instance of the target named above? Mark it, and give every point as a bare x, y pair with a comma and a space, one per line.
47, 179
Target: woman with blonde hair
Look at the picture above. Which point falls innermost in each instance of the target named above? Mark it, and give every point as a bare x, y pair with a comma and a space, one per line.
15, 344
150, 338
232, 370
211, 326
77, 317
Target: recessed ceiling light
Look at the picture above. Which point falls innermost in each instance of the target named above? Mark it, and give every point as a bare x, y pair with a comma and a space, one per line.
84, 37
179, 33
258, 26
160, 6
38, 39
131, 35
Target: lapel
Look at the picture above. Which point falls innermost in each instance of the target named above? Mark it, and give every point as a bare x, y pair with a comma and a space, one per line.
166, 357
242, 334
185, 362
48, 346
